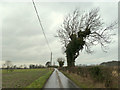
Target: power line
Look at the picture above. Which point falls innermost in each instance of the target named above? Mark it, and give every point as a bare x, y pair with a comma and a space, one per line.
41, 25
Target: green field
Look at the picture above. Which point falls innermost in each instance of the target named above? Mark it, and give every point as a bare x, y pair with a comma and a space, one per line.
22, 78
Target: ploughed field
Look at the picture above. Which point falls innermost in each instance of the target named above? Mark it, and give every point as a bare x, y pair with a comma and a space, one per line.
22, 78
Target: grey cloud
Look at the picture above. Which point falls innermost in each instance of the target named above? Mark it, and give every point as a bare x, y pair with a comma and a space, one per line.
23, 40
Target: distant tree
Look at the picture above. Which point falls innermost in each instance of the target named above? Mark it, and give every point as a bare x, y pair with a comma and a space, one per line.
61, 61
36, 66
14, 66
8, 64
3, 65
40, 66
48, 64
81, 31
21, 66
24, 66
31, 66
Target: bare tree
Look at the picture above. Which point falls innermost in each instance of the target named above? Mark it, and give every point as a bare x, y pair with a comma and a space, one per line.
61, 61
48, 64
81, 31
15, 67
3, 65
8, 64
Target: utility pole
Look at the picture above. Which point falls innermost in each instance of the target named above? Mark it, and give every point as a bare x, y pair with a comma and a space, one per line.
51, 59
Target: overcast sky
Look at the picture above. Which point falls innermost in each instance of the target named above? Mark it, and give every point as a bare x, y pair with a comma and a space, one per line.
23, 41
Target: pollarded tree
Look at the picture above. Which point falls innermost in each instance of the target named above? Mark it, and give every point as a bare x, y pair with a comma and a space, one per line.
61, 61
81, 31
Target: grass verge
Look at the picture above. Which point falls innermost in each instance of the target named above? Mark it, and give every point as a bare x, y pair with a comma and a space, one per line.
93, 76
39, 83
80, 82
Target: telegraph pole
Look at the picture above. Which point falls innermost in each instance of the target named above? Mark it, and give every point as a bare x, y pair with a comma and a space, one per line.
51, 59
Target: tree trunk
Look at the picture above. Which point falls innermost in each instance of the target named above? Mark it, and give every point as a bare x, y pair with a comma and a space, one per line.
70, 62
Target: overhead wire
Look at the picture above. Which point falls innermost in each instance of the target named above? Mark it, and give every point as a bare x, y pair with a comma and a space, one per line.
41, 25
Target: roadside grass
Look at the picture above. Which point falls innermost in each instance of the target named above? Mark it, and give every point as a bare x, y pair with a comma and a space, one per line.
39, 83
93, 76
21, 78
82, 82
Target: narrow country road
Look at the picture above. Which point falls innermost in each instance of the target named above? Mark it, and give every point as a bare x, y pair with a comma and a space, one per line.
59, 80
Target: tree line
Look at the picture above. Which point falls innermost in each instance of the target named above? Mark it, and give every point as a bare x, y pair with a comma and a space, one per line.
9, 65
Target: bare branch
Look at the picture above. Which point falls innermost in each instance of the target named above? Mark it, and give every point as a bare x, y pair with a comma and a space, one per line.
82, 31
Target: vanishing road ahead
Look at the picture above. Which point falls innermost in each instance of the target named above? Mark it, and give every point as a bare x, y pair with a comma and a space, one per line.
59, 80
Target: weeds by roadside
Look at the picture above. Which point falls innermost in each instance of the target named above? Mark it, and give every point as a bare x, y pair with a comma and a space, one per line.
104, 75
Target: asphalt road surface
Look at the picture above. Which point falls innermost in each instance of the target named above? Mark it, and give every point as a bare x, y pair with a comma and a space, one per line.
59, 80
